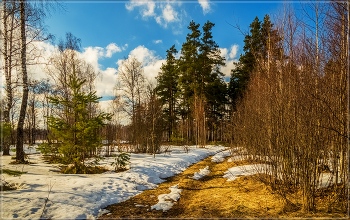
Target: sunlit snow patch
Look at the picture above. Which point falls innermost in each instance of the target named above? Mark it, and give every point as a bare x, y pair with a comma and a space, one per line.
245, 170
166, 205
236, 158
325, 179
103, 211
83, 196
202, 172
219, 157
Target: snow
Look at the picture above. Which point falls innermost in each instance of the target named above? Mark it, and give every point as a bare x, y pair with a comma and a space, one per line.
327, 179
234, 173
219, 157
245, 170
165, 205
236, 158
84, 196
202, 172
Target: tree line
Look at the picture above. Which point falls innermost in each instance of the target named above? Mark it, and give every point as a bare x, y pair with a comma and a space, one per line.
22, 26
286, 102
291, 110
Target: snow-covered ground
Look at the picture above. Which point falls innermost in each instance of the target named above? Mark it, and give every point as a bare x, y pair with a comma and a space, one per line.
164, 203
202, 172
234, 173
221, 156
83, 196
245, 170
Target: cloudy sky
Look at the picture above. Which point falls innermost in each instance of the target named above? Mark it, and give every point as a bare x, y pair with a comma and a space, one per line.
113, 30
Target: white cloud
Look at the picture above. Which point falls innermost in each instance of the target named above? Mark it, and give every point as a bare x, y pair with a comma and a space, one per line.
106, 85
91, 55
105, 105
143, 54
169, 14
230, 58
163, 13
234, 50
223, 52
152, 69
226, 70
205, 6
125, 46
133, 3
42, 52
157, 41
146, 7
111, 49
150, 10
150, 61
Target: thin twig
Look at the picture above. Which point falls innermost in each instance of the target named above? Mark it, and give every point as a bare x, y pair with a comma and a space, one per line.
47, 199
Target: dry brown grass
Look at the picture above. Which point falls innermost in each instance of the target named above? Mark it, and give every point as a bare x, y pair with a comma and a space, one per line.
211, 197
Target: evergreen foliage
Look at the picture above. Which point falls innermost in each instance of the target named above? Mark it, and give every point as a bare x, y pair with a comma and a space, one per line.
212, 85
189, 67
167, 88
75, 130
120, 160
192, 88
240, 75
13, 172
256, 47
5, 129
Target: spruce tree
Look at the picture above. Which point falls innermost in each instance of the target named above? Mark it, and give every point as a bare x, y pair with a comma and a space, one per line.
189, 65
247, 62
262, 45
167, 88
211, 82
212, 85
75, 130
189, 73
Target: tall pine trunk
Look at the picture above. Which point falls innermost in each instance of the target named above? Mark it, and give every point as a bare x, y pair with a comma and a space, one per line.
22, 114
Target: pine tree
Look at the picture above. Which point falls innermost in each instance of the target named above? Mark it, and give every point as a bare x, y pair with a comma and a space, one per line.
167, 88
189, 72
189, 65
247, 62
262, 46
211, 83
76, 133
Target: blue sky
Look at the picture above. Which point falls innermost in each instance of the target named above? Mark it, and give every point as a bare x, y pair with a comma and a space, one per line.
112, 30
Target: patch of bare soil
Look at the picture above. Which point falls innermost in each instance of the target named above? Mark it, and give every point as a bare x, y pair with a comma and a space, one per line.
212, 196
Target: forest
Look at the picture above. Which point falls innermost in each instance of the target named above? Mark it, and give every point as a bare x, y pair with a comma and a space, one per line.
286, 102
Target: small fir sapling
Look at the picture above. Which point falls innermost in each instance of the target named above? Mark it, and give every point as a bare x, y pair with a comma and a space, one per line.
120, 160
75, 129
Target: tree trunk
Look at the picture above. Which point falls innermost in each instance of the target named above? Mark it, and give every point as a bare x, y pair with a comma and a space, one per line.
19, 146
33, 122
6, 146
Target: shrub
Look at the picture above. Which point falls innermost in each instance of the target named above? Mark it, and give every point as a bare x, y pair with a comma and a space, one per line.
13, 172
120, 160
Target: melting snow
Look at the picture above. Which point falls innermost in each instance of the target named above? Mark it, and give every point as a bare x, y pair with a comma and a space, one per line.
83, 196
233, 173
219, 157
165, 205
245, 170
202, 172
